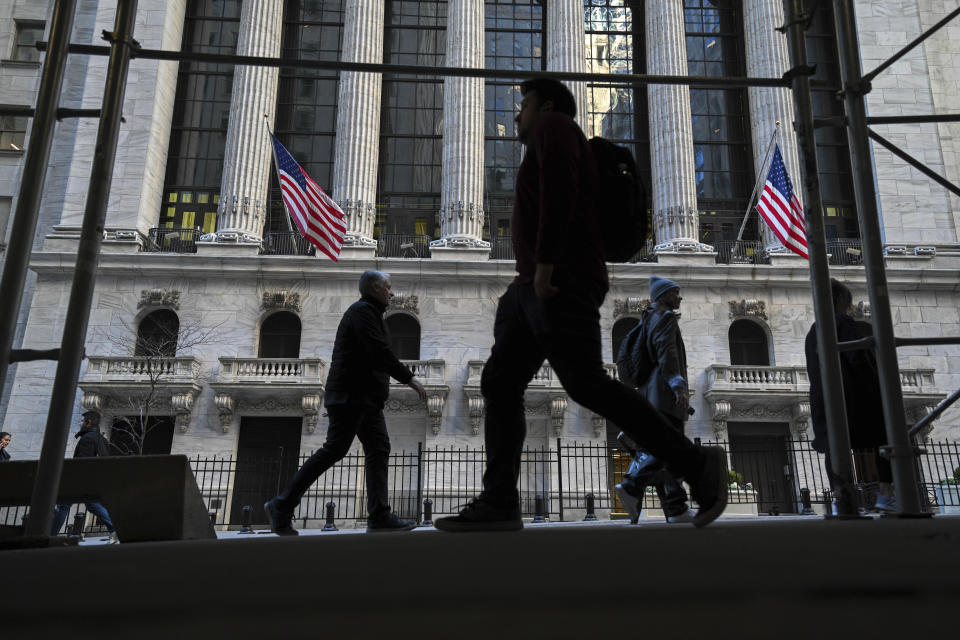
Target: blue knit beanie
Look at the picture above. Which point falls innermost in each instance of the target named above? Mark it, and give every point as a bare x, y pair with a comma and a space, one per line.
659, 286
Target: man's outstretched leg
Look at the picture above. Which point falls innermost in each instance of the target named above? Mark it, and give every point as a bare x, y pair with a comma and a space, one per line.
344, 423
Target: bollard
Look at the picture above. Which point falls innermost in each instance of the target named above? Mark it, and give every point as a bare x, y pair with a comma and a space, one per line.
538, 507
329, 526
805, 502
591, 516
428, 512
245, 517
76, 531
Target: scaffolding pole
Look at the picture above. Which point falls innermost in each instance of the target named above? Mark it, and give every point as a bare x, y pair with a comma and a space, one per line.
899, 447
50, 465
826, 327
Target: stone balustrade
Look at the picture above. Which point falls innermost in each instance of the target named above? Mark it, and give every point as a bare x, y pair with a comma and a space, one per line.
722, 377
916, 380
429, 372
140, 368
269, 370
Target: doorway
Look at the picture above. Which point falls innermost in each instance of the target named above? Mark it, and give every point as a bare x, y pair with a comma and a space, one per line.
760, 452
268, 454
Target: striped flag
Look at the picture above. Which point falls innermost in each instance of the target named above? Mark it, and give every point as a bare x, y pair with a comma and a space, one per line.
318, 217
781, 209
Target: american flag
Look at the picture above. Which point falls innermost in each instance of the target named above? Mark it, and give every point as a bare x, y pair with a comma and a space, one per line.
781, 209
318, 217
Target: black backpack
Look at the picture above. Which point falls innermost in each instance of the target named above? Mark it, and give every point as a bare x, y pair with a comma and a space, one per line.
621, 201
635, 362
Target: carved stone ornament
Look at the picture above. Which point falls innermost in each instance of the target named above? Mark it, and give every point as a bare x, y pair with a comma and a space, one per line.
476, 405
721, 412
270, 404
311, 410
182, 404
159, 297
435, 411
92, 402
630, 306
395, 405
280, 300
801, 418
558, 407
861, 310
224, 402
748, 308
598, 423
759, 411
405, 302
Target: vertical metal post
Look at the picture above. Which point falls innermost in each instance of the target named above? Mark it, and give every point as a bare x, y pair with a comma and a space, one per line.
64, 393
891, 395
420, 480
560, 477
838, 435
34, 174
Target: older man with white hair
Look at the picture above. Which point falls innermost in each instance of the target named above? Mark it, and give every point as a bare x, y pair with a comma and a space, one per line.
357, 388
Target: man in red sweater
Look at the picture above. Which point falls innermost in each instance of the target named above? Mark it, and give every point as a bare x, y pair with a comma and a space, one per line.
551, 310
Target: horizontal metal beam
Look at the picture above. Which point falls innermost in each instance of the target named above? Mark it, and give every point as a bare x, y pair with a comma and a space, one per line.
916, 164
869, 342
867, 78
421, 70
945, 117
933, 415
29, 112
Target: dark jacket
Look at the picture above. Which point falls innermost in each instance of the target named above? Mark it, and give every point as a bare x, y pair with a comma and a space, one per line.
861, 390
91, 443
553, 218
362, 362
670, 373
4, 456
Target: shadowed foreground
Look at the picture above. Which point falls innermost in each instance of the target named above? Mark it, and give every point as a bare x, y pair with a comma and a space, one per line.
790, 577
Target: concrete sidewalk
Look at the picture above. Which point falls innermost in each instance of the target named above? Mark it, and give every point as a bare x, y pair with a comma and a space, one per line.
738, 578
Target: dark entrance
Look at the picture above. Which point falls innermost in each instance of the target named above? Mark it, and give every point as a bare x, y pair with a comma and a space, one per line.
128, 435
268, 455
760, 452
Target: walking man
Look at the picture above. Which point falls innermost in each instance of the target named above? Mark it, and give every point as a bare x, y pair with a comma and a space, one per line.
357, 388
666, 388
551, 310
90, 444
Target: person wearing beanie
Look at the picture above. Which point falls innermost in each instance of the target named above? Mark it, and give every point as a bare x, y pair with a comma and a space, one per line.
665, 386
552, 311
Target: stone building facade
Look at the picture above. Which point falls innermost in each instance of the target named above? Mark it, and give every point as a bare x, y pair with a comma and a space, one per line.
424, 168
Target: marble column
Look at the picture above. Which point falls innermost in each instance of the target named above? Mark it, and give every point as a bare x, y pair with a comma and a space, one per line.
358, 113
768, 57
566, 46
248, 157
675, 217
461, 201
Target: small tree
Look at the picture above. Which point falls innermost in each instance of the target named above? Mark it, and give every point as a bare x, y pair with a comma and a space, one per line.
160, 338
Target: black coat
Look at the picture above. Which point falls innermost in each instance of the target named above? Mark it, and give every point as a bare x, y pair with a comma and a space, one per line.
861, 387
670, 373
362, 362
91, 443
4, 456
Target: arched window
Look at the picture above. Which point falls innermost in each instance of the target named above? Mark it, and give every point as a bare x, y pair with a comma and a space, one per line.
748, 344
157, 334
404, 336
620, 330
280, 336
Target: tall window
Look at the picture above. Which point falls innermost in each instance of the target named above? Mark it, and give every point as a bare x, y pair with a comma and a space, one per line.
28, 33
833, 155
514, 31
616, 44
404, 335
412, 120
280, 336
200, 116
748, 344
721, 131
13, 132
158, 334
307, 98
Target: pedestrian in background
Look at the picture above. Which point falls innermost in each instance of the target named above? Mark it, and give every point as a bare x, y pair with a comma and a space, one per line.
4, 443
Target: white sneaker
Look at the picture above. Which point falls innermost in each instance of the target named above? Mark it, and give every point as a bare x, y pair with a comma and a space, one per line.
113, 539
630, 502
686, 516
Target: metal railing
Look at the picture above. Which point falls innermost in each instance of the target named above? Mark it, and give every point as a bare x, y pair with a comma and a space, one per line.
501, 248
845, 252
172, 240
287, 243
403, 245
743, 252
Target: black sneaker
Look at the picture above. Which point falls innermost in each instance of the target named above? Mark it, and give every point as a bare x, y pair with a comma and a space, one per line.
480, 515
633, 504
709, 488
281, 522
389, 522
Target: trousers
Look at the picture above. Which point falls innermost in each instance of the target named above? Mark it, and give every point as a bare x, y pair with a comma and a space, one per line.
346, 422
565, 330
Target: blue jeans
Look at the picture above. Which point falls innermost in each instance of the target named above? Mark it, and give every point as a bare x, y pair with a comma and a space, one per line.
63, 510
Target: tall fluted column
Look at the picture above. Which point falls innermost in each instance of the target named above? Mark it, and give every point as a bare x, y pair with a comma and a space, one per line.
675, 219
461, 201
566, 46
358, 126
248, 154
768, 57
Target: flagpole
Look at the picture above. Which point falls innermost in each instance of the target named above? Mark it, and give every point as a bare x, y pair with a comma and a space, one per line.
761, 177
273, 154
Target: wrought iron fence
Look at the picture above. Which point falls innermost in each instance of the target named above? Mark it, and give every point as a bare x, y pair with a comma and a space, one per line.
743, 252
845, 251
13, 516
403, 245
501, 248
646, 253
770, 479
287, 243
172, 240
